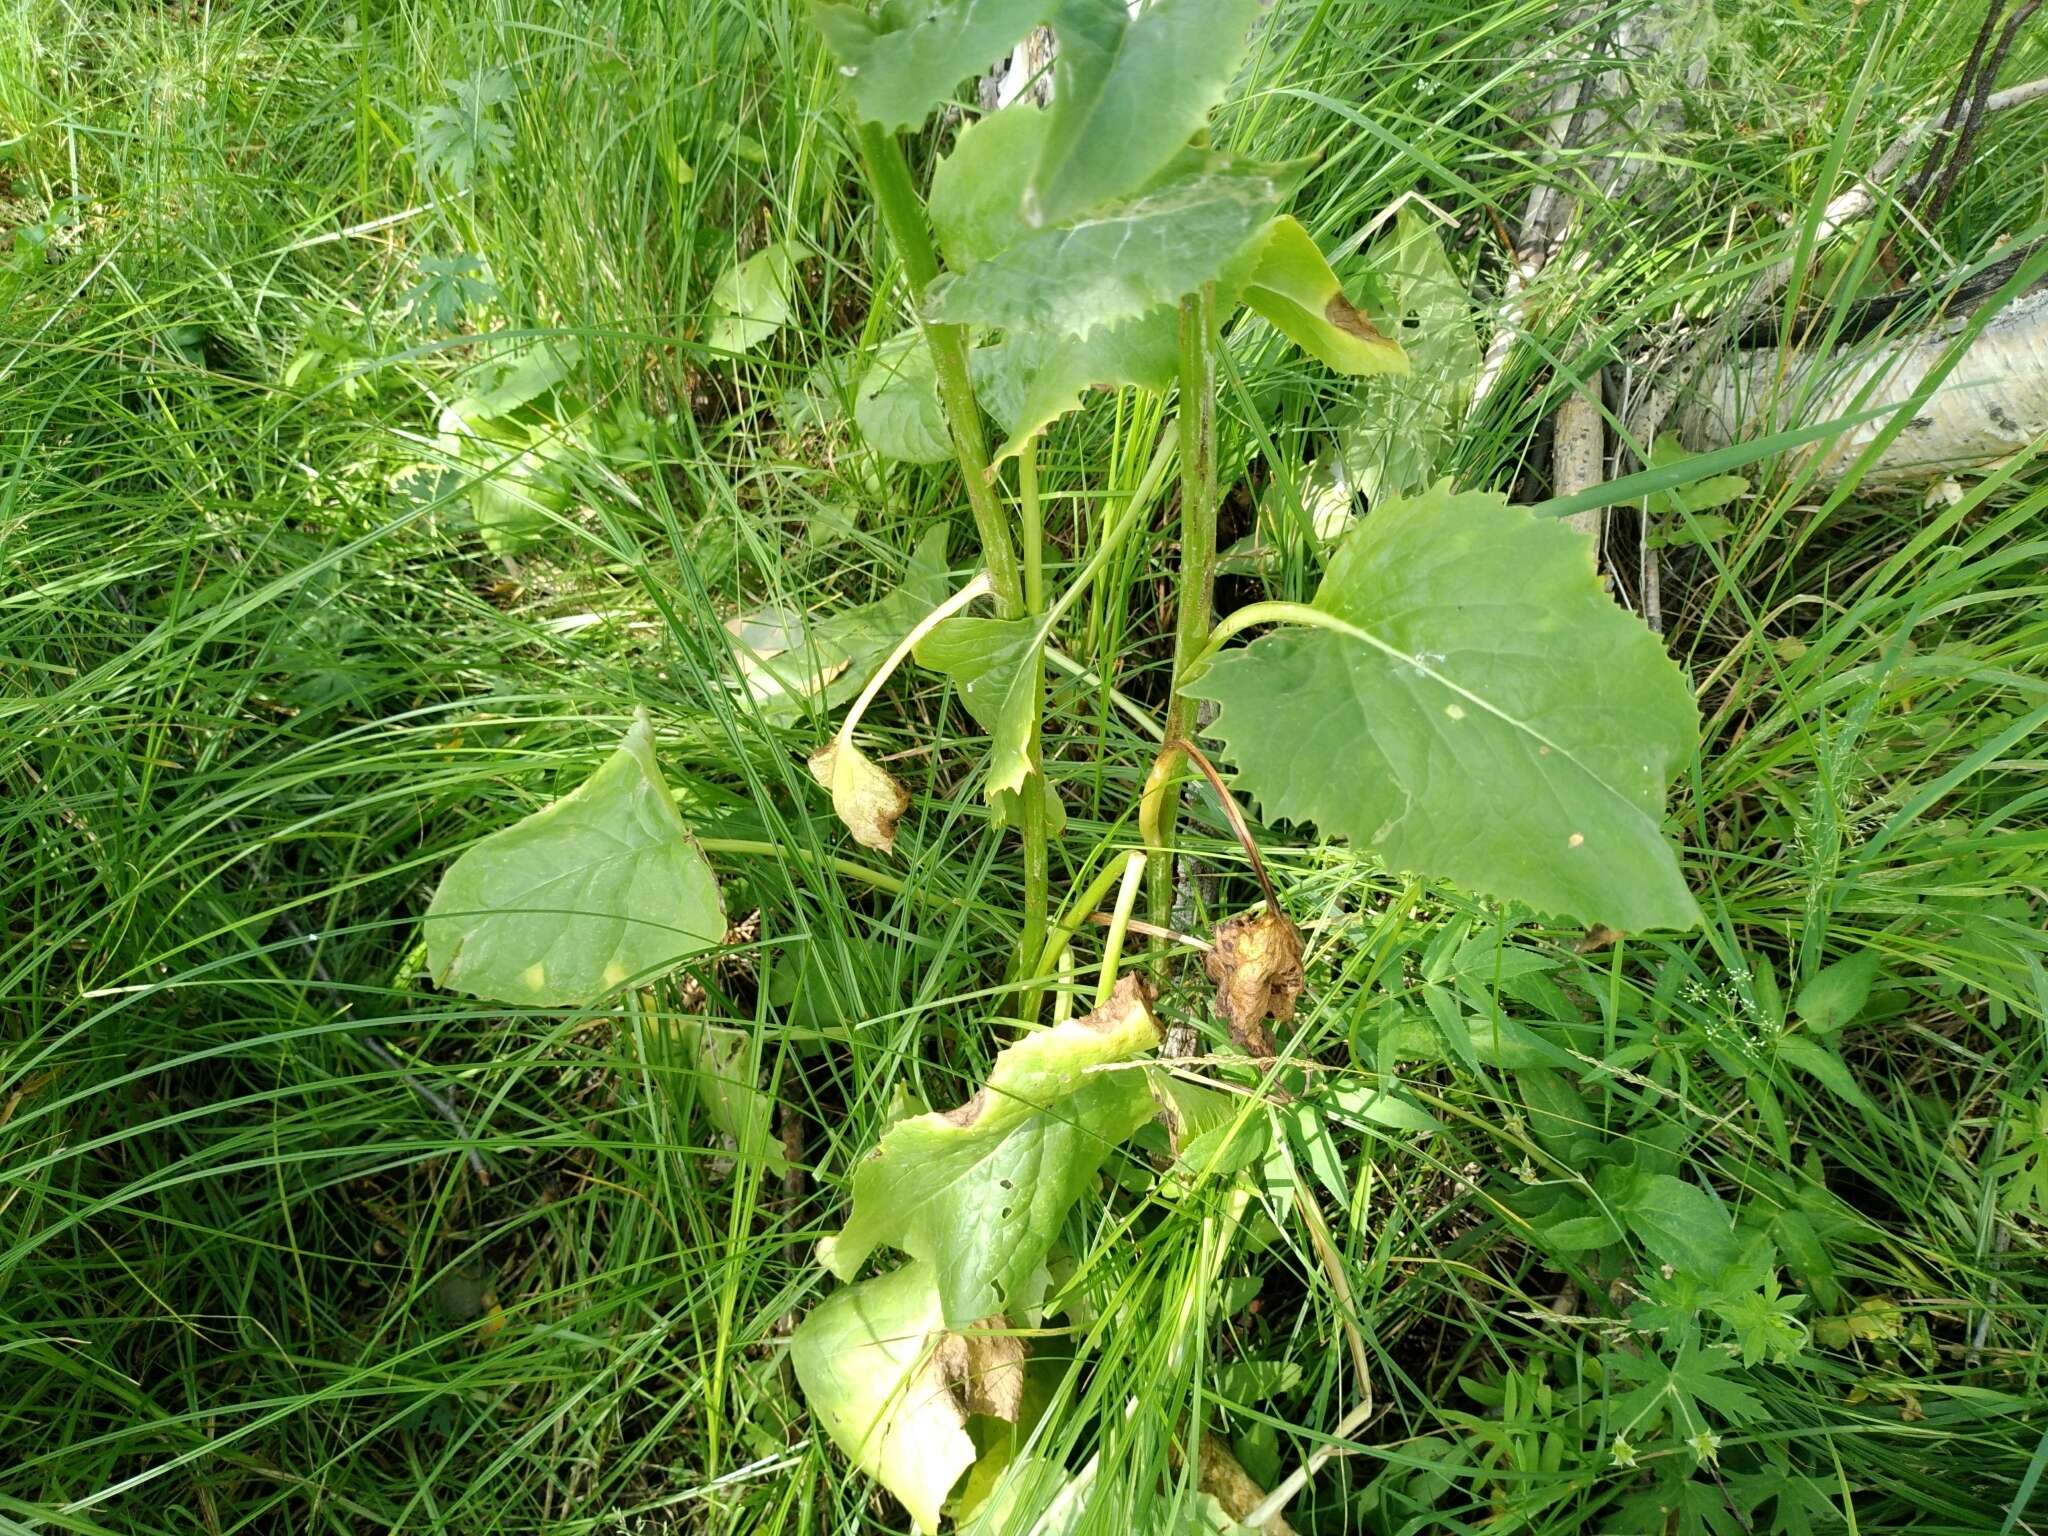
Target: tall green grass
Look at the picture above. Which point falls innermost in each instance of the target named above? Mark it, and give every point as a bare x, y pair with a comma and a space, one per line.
291, 1242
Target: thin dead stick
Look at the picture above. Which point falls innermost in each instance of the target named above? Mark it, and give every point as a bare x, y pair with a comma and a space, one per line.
1860, 200
1340, 1283
1284, 1492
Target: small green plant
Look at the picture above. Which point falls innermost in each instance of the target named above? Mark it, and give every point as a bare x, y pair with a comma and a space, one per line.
1460, 695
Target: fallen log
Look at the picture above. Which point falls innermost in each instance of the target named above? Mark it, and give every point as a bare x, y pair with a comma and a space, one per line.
1992, 404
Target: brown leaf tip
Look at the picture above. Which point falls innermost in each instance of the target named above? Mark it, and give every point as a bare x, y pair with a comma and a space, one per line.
1132, 997
1256, 966
1346, 316
985, 1368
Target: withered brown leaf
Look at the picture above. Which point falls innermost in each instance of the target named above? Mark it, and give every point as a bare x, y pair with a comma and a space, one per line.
985, 1368
1256, 966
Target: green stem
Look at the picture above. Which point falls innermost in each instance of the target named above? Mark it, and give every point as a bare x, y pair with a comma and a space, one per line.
903, 214
1031, 798
1070, 922
1197, 578
1120, 923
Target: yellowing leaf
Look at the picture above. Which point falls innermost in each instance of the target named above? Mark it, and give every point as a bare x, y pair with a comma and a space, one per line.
868, 799
866, 1358
602, 887
979, 1192
1293, 287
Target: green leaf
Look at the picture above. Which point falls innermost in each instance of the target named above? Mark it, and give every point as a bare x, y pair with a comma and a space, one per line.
979, 1192
1680, 1223
1690, 496
866, 1359
750, 302
1819, 1060
994, 664
1031, 378
1294, 289
897, 405
978, 187
1034, 375
527, 374
728, 1083
1835, 996
896, 65
1128, 93
1478, 710
604, 886
1392, 436
1119, 263
1576, 1233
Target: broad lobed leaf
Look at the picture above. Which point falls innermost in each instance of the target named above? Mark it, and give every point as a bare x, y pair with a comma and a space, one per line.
1479, 711
1124, 260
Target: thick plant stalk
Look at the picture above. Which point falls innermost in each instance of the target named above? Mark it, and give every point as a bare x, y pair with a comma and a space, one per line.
1031, 799
1993, 403
903, 214
1196, 594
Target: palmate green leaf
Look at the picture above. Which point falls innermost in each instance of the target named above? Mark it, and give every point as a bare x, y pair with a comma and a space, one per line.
979, 1192
1293, 288
897, 405
865, 1357
1128, 93
601, 887
1477, 710
1123, 261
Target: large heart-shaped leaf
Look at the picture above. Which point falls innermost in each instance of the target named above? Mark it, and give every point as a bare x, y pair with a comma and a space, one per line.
603, 886
1128, 92
979, 1192
1122, 261
1477, 708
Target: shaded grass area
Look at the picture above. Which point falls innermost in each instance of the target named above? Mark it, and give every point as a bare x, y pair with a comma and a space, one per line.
260, 679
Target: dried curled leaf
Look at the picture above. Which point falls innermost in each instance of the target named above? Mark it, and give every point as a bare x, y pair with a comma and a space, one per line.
870, 800
985, 1368
1256, 966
